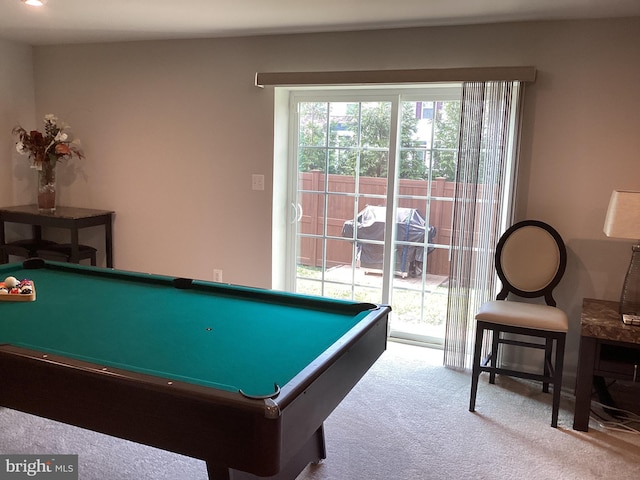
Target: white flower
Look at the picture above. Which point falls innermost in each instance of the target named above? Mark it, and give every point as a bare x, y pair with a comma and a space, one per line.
20, 147
50, 118
61, 137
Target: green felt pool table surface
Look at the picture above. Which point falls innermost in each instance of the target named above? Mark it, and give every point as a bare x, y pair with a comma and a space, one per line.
240, 377
227, 337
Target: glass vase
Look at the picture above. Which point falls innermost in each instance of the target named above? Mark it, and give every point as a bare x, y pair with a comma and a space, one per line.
47, 187
630, 300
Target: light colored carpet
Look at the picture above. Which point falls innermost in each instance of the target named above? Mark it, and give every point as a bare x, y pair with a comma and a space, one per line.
407, 419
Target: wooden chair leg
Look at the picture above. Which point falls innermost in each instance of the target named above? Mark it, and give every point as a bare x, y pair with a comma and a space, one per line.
548, 349
495, 341
557, 379
475, 373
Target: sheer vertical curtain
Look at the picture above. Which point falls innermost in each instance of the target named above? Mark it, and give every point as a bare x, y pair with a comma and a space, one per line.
482, 206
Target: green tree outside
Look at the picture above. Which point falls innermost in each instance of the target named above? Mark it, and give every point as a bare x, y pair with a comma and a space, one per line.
334, 136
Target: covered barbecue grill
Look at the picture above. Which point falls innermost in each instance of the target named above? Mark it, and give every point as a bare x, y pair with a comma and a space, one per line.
410, 227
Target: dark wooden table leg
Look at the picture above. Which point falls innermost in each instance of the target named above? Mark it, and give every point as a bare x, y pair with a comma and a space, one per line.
584, 383
75, 249
108, 241
4, 258
36, 233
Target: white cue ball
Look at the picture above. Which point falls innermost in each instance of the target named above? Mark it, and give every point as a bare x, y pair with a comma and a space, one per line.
11, 282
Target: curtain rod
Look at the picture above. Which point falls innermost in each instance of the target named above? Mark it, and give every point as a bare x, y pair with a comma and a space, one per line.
424, 75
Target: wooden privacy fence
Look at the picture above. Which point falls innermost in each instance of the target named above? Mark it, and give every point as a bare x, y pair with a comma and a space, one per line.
438, 202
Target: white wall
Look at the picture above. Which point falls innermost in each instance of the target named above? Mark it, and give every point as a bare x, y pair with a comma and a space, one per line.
17, 106
173, 131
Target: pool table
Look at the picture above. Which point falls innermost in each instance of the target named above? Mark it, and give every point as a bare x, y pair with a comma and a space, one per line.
240, 377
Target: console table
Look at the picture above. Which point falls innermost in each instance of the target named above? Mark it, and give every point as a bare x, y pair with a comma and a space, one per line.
608, 348
70, 218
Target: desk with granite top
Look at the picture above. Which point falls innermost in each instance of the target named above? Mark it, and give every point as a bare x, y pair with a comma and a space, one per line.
608, 348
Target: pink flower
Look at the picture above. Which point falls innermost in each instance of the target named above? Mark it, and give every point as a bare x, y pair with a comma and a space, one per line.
62, 149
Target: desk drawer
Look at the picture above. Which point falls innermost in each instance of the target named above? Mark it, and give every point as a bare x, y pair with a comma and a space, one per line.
614, 361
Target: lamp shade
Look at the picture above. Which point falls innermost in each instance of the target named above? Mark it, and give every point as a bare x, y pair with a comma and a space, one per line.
623, 215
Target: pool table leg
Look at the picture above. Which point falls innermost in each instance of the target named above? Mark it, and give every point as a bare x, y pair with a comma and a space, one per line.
217, 472
313, 451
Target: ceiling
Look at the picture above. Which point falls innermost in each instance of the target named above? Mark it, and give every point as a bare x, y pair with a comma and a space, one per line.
87, 21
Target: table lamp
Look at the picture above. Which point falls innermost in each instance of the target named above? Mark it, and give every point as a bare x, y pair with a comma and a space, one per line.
623, 221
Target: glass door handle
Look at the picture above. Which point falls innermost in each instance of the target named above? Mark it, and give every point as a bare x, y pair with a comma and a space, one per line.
296, 209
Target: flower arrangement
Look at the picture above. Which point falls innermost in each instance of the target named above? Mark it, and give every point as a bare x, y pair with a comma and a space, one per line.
45, 150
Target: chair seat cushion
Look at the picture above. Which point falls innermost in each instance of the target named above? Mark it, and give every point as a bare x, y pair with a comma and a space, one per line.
520, 314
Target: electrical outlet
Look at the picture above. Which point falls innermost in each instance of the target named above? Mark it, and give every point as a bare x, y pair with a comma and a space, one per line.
257, 182
217, 275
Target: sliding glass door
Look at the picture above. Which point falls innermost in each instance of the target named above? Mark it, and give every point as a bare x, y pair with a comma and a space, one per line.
371, 180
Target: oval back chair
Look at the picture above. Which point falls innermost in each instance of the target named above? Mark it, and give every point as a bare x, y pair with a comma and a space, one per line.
530, 261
